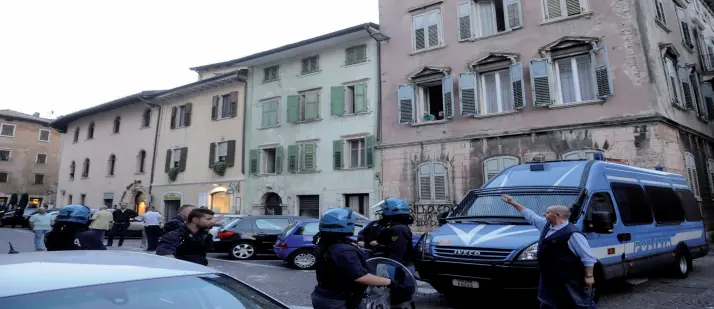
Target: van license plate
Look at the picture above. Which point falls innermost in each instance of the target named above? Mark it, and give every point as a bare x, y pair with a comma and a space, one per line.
465, 283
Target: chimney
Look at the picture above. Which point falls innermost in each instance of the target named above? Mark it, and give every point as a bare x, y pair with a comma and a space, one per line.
36, 114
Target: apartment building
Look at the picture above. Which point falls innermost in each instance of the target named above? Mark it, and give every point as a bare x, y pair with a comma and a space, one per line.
107, 153
483, 85
312, 115
199, 145
29, 157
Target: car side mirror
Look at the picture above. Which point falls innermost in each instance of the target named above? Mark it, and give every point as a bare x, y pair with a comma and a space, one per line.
442, 217
600, 222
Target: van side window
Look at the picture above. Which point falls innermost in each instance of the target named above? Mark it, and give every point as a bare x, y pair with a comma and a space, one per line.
666, 204
690, 205
632, 203
601, 201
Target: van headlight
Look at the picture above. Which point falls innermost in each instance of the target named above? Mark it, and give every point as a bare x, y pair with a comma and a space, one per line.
530, 254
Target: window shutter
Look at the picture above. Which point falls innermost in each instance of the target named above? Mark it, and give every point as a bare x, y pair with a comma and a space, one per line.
603, 74
338, 149
167, 165
309, 156
684, 27
517, 86
553, 9
660, 11
425, 182
708, 98
211, 154
447, 92
468, 94
405, 94
214, 108
686, 87
311, 109
173, 118
419, 32
540, 82
360, 98
292, 158
672, 75
231, 153
514, 14
187, 121
278, 159
573, 7
710, 173
337, 100
184, 157
234, 103
369, 142
465, 9
293, 108
694, 81
433, 28
253, 158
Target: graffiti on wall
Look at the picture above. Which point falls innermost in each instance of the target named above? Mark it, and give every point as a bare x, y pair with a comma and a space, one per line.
427, 215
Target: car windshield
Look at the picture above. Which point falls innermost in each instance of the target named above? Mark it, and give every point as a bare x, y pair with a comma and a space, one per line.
213, 291
490, 205
225, 220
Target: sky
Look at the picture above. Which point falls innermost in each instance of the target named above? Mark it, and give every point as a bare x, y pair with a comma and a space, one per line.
58, 57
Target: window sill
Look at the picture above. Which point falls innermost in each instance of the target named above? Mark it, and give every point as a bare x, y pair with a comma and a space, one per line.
690, 49
139, 173
428, 123
566, 105
270, 127
308, 121
85, 177
662, 25
11, 136
361, 168
427, 202
502, 33
496, 114
426, 50
269, 81
702, 119
355, 114
144, 128
224, 118
110, 176
587, 14
309, 73
680, 107
356, 64
43, 141
307, 172
266, 174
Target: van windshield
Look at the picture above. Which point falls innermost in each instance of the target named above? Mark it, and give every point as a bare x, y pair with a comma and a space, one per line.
489, 204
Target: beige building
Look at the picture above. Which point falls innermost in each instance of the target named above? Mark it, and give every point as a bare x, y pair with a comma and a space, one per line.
200, 143
107, 153
29, 157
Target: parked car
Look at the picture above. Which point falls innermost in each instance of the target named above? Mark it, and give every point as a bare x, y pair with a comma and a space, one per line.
17, 216
121, 280
221, 220
247, 236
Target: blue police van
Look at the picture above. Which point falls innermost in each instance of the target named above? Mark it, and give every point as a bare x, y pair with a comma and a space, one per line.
636, 220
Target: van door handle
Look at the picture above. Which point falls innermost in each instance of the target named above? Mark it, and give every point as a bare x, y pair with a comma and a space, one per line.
624, 237
260, 234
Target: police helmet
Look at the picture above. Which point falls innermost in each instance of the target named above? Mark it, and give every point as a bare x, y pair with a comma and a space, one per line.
337, 220
394, 207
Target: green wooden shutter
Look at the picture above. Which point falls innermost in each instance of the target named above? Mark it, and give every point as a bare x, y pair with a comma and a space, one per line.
338, 148
309, 156
167, 165
253, 161
293, 108
311, 106
184, 158
278, 159
292, 158
337, 95
369, 150
360, 98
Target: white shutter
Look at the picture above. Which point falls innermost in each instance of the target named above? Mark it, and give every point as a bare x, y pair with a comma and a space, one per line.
419, 23
425, 182
440, 188
552, 9
405, 106
433, 24
447, 91
514, 13
465, 10
467, 93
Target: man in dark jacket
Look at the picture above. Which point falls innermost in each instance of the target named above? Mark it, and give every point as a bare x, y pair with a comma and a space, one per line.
122, 219
191, 241
367, 237
179, 220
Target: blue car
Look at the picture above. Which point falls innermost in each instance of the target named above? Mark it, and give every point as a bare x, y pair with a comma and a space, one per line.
636, 221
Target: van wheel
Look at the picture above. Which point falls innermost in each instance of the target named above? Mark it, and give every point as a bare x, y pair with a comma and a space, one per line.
242, 251
303, 259
682, 265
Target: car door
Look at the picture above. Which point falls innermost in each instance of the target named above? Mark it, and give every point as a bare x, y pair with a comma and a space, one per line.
607, 248
267, 231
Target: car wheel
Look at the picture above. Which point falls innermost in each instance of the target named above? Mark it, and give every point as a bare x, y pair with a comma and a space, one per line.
682, 265
243, 251
303, 259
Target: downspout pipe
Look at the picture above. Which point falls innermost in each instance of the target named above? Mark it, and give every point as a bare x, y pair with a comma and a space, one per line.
156, 142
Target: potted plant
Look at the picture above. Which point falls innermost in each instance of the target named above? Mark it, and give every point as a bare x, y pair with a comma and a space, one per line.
24, 199
13, 200
219, 168
173, 172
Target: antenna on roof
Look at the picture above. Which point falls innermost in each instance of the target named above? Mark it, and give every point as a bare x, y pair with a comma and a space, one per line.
12, 249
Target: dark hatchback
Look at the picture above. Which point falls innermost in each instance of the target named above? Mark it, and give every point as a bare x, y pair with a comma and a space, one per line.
247, 236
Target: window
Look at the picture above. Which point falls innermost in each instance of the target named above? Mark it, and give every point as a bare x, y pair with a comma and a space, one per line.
85, 168
347, 100
4, 177
310, 65
270, 113
554, 9
357, 202
696, 102
302, 157
426, 30
181, 116
690, 173
356, 54
309, 206
493, 166
69, 199
39, 179
83, 198
479, 19
7, 130
691, 207
146, 118
433, 182
141, 161
117, 125
271, 74
72, 167
583, 154
4, 155
44, 135
76, 135
90, 131
632, 203
225, 106
707, 100
602, 202
673, 80
221, 152
710, 176
269, 159
111, 164
666, 205
309, 229
271, 224
357, 153
176, 158
220, 202
41, 158
684, 29
660, 12
304, 107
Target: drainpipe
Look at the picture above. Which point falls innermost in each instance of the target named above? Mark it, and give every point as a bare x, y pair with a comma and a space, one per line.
156, 139
378, 37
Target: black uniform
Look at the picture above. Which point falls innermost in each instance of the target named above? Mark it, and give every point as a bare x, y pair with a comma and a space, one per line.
173, 224
370, 233
185, 245
88, 241
397, 244
337, 269
121, 224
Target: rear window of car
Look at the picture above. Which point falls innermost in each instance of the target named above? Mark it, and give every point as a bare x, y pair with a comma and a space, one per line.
272, 224
690, 205
287, 228
189, 292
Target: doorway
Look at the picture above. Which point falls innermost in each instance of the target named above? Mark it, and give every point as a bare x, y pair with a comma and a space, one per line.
220, 202
140, 203
272, 204
357, 202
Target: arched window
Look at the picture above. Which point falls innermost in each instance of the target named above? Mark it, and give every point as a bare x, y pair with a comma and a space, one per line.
71, 170
140, 161
220, 203
582, 154
494, 165
117, 124
110, 165
432, 178
90, 131
146, 118
76, 134
690, 172
85, 168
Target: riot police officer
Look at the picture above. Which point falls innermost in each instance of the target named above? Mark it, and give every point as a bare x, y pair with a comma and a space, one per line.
396, 239
341, 268
367, 237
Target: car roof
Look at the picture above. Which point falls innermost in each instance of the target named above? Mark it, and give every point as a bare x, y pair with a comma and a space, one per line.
36, 272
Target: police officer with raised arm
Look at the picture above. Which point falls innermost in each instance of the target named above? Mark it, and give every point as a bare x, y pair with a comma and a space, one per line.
564, 257
367, 237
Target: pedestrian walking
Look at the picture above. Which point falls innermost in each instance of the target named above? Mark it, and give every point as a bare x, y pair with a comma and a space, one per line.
152, 227
122, 218
41, 223
564, 256
179, 219
101, 222
191, 241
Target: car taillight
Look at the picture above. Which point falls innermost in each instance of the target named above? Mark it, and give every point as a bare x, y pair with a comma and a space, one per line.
225, 234
283, 245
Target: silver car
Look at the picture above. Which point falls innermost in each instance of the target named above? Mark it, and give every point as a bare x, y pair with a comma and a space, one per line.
121, 280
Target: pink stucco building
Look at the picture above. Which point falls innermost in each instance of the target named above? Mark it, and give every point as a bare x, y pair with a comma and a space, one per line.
472, 87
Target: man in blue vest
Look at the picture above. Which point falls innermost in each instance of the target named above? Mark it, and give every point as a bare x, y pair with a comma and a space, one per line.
564, 257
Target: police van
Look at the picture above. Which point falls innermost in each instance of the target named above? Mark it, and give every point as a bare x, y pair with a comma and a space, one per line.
636, 220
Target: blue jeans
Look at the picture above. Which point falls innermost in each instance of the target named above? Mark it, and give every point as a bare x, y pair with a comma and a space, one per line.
40, 239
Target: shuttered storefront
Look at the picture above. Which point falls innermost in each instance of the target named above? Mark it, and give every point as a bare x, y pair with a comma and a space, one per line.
309, 205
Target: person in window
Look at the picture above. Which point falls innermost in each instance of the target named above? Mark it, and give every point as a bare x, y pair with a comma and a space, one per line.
564, 256
428, 116
191, 241
441, 116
